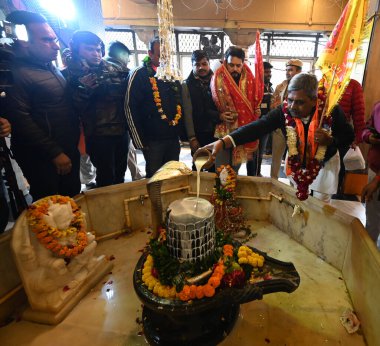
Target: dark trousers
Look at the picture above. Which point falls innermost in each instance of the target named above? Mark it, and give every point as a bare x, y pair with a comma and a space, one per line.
4, 210
254, 166
268, 147
158, 153
109, 155
342, 172
42, 174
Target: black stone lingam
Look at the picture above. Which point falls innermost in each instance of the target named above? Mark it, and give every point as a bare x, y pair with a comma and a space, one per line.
207, 321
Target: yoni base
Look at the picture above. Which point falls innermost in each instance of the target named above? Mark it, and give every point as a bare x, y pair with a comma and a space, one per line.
47, 317
207, 328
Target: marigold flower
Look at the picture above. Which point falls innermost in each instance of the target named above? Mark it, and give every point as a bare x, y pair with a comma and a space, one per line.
193, 291
200, 294
208, 290
214, 281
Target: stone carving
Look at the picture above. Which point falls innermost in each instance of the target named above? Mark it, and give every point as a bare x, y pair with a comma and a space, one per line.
52, 282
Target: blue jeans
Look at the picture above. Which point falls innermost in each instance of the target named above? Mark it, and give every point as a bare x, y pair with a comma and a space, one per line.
158, 152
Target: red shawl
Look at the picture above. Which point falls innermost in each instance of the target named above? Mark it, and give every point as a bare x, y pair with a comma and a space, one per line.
240, 99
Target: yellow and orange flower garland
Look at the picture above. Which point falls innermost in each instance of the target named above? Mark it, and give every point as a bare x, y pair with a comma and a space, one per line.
158, 102
190, 292
49, 236
223, 193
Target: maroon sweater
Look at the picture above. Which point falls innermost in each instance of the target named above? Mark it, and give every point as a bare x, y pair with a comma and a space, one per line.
352, 103
373, 156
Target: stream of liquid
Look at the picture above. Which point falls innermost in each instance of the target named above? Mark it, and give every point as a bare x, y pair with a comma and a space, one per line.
199, 163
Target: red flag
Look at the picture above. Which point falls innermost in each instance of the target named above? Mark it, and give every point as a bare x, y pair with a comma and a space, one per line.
259, 71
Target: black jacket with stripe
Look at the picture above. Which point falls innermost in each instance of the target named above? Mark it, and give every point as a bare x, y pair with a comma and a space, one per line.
144, 120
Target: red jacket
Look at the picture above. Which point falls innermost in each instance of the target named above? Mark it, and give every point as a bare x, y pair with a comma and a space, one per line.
352, 102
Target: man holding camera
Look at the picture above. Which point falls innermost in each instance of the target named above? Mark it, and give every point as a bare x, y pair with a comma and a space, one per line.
45, 129
98, 94
118, 54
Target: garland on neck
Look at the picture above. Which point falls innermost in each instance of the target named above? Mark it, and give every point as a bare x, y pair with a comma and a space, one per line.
147, 62
303, 177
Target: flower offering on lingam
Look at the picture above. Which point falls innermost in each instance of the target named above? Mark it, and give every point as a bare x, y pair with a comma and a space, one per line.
229, 266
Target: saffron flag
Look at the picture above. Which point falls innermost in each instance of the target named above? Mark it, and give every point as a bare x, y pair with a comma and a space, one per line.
259, 71
338, 58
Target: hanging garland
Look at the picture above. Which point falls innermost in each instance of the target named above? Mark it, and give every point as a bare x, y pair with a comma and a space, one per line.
303, 177
56, 240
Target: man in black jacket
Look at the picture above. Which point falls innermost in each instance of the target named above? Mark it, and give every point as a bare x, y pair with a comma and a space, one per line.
302, 103
200, 112
45, 131
118, 54
98, 93
154, 112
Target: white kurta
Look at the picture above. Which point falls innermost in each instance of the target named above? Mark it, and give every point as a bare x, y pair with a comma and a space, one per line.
328, 177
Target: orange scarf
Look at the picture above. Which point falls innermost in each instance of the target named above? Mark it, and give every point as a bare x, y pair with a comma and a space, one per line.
311, 145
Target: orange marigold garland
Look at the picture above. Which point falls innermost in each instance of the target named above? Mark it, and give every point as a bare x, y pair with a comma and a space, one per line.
58, 241
207, 290
158, 102
227, 272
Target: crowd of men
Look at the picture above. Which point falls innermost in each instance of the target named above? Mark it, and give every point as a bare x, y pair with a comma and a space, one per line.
86, 119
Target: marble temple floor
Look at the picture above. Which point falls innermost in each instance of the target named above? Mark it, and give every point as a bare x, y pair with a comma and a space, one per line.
110, 314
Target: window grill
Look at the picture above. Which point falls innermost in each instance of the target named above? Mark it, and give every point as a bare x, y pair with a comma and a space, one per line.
125, 37
293, 47
227, 43
188, 42
275, 46
140, 44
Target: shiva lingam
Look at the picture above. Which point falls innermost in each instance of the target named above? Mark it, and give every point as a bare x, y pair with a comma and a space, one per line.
193, 277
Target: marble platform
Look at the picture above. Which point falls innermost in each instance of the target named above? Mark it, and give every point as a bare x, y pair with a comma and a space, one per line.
108, 315
338, 263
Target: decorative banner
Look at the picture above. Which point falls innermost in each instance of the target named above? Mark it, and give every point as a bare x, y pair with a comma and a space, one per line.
341, 51
259, 71
168, 69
